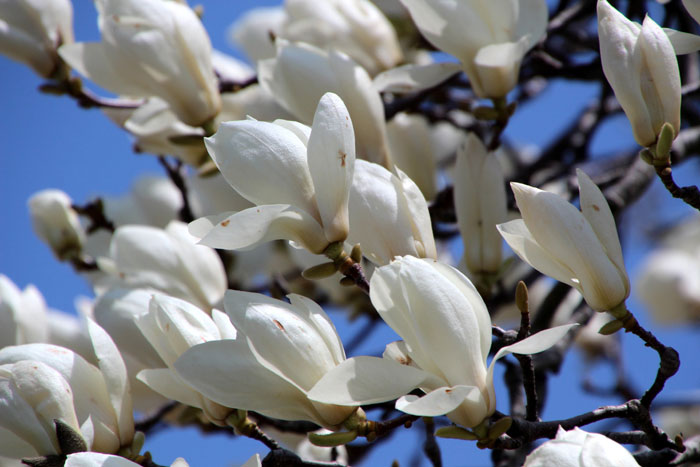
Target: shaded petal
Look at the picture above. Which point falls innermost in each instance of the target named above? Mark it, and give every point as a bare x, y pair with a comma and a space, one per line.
166, 382
250, 227
116, 379
519, 238
414, 78
367, 380
215, 367
440, 401
683, 42
596, 210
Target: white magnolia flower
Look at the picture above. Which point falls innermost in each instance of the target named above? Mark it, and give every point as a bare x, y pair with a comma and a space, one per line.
32, 30
446, 331
281, 351
579, 248
171, 326
669, 285
300, 74
579, 448
151, 48
354, 27
412, 152
94, 400
389, 215
299, 178
641, 67
480, 204
168, 260
489, 37
56, 222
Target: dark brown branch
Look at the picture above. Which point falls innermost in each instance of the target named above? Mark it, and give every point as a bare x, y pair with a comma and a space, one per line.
94, 211
430, 446
175, 173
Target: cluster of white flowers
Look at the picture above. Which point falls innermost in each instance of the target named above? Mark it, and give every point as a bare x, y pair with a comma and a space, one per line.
301, 157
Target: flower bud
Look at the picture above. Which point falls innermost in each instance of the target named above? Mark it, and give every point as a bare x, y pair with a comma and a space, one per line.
56, 223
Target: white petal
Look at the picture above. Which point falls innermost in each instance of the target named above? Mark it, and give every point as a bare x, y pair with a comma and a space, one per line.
497, 67
683, 42
414, 78
596, 210
318, 318
97, 459
519, 238
331, 158
367, 380
114, 372
166, 382
264, 162
533, 16
664, 74
246, 229
438, 402
215, 367
417, 209
281, 337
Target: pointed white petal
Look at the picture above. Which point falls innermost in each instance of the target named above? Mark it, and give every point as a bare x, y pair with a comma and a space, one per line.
683, 42
318, 318
414, 78
331, 158
438, 402
367, 380
417, 209
199, 228
596, 210
114, 372
167, 383
246, 229
519, 238
215, 367
264, 162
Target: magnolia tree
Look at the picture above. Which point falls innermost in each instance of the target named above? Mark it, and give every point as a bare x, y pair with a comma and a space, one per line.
346, 166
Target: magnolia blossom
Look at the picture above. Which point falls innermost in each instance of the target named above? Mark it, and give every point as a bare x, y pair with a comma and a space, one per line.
22, 314
489, 37
389, 215
580, 448
32, 30
280, 352
579, 248
480, 204
308, 169
446, 333
354, 27
300, 74
43, 382
172, 326
640, 65
152, 48
56, 222
167, 260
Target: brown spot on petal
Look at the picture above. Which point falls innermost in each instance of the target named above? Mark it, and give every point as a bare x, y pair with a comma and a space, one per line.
448, 391
595, 208
278, 324
342, 157
225, 223
405, 360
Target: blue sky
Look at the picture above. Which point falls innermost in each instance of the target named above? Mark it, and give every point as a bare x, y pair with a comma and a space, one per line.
49, 142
